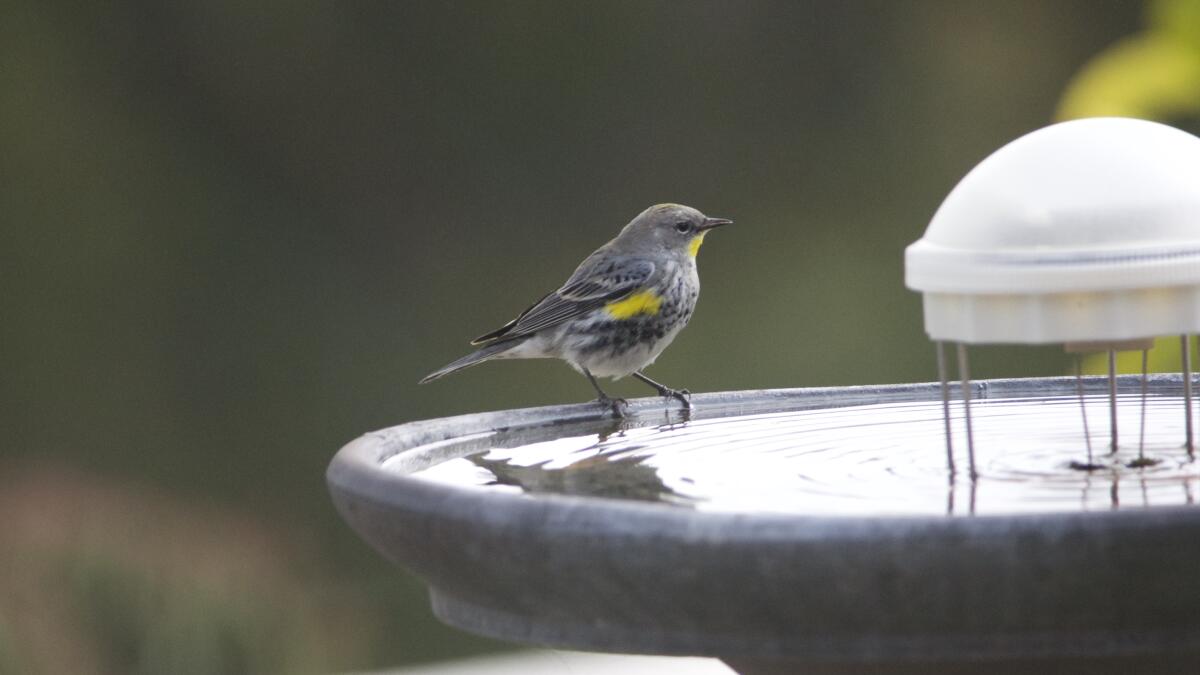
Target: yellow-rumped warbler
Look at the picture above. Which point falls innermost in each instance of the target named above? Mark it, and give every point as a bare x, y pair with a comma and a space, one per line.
618, 311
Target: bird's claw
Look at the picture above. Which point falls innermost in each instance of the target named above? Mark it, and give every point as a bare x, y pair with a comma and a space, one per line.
617, 405
682, 395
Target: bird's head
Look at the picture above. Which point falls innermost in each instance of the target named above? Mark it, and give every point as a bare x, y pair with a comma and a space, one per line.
671, 227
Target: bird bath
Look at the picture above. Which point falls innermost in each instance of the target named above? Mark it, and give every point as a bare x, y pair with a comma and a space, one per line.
802, 530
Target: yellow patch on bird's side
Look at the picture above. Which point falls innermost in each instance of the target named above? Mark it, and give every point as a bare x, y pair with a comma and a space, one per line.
642, 302
694, 244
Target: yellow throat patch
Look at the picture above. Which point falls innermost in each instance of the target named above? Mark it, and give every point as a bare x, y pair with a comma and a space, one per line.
694, 244
643, 302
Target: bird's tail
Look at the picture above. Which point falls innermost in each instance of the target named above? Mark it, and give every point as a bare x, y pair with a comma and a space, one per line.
478, 356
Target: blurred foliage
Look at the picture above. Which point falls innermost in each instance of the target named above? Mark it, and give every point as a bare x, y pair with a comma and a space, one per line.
235, 235
105, 579
1155, 75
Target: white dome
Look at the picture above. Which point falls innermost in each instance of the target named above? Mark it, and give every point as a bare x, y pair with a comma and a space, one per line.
1084, 230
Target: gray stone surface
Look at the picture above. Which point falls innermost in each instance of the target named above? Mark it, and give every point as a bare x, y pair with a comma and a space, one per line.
763, 589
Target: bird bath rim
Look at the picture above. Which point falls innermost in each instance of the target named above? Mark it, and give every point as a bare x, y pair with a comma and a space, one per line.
360, 460
619, 575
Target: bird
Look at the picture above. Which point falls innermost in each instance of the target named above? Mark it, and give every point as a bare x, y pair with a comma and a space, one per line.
620, 309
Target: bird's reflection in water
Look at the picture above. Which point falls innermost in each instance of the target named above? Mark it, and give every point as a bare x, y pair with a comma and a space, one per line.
608, 468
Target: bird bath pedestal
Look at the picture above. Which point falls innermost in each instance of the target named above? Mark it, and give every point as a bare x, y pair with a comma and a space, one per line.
1023, 569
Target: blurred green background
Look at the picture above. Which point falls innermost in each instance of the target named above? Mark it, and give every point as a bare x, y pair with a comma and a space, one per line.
235, 236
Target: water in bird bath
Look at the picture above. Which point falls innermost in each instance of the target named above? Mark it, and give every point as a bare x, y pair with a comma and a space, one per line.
887, 458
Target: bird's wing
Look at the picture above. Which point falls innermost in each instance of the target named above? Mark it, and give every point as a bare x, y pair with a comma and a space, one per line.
594, 284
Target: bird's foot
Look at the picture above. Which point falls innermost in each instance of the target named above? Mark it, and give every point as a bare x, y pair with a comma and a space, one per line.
617, 405
682, 395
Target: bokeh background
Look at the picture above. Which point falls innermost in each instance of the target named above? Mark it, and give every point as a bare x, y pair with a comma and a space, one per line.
235, 235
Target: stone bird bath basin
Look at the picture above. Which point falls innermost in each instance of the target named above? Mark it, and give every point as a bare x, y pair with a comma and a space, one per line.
804, 530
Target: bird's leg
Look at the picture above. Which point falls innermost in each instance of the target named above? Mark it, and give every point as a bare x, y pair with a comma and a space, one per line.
617, 404
683, 395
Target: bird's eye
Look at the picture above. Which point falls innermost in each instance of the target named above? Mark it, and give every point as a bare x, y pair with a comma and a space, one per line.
683, 227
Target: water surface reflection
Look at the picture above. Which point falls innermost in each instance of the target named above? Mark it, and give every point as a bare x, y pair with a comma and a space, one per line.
874, 459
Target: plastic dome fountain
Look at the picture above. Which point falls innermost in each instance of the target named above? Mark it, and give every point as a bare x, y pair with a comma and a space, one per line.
1085, 233
822, 530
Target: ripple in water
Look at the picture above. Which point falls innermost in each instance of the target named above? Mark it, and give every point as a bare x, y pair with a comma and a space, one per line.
874, 459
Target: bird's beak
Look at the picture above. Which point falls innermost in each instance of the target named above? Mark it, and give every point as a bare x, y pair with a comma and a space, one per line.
710, 223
